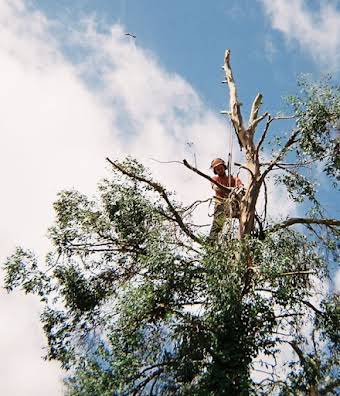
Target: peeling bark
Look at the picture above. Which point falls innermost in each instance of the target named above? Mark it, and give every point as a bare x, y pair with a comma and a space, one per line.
235, 106
246, 139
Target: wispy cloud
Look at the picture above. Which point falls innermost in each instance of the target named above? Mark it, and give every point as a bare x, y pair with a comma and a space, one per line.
269, 49
316, 31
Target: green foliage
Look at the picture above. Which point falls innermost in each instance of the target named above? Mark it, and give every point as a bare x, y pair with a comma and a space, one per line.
315, 147
317, 109
22, 270
138, 302
133, 304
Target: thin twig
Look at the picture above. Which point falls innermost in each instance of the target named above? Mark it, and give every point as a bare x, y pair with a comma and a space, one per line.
264, 133
288, 315
281, 154
269, 121
196, 203
166, 162
294, 165
278, 118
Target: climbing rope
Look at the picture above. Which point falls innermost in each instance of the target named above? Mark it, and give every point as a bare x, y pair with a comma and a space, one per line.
230, 203
230, 153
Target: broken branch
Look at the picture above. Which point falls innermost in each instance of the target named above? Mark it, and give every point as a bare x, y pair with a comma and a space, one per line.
255, 108
254, 124
254, 120
235, 106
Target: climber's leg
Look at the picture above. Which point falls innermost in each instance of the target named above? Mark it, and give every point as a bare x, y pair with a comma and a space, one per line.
218, 222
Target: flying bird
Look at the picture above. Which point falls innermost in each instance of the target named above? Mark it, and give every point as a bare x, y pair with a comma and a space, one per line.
130, 34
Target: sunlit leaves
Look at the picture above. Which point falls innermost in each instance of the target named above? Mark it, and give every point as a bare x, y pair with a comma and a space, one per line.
133, 304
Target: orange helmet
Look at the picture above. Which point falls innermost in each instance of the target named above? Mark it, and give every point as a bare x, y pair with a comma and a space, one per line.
216, 162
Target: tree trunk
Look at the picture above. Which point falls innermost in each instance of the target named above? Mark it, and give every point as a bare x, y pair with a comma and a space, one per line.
247, 210
246, 141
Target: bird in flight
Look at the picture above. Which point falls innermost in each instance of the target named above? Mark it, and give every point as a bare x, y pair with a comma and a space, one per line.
130, 34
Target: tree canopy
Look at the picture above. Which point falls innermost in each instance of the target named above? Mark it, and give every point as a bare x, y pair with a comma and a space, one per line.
138, 301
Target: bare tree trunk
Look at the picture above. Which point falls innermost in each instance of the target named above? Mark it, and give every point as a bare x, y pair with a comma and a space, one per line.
246, 141
247, 210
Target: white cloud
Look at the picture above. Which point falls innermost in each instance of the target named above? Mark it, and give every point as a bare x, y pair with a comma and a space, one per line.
56, 131
22, 369
317, 32
58, 123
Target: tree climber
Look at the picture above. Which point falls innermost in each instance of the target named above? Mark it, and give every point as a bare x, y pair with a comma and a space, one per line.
226, 203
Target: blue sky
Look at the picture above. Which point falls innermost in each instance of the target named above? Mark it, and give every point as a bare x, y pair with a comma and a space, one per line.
189, 38
75, 89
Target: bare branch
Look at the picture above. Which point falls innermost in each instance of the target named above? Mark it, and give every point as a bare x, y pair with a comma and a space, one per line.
254, 120
166, 162
317, 235
301, 220
311, 306
245, 168
288, 315
162, 192
151, 367
162, 213
298, 351
235, 106
280, 118
195, 204
262, 371
293, 165
282, 153
297, 273
259, 222
263, 136
291, 172
269, 121
221, 186
254, 124
255, 109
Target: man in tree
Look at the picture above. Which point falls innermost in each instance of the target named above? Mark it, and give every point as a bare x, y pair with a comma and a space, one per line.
226, 200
